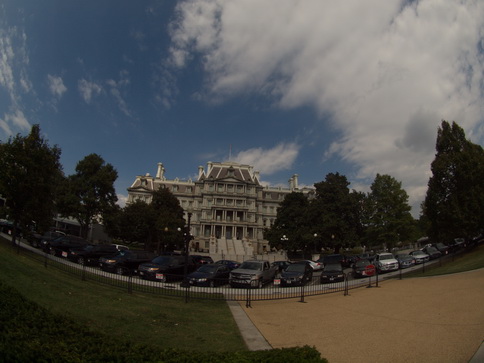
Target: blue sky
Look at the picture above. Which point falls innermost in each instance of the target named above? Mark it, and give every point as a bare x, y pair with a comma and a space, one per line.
292, 87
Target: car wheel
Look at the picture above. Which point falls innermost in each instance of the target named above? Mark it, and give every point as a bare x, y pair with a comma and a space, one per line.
81, 261
120, 270
259, 284
52, 252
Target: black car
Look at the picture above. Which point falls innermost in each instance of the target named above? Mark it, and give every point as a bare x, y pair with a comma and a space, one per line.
201, 260
359, 268
281, 265
332, 272
90, 254
126, 261
166, 268
296, 274
208, 275
61, 245
229, 263
432, 252
331, 259
36, 239
442, 248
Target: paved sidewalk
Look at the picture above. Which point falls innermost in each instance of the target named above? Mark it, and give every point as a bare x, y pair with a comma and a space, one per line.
434, 319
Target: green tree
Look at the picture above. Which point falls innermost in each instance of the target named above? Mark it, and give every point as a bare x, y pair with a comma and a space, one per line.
290, 230
30, 174
89, 194
169, 223
335, 212
389, 219
455, 194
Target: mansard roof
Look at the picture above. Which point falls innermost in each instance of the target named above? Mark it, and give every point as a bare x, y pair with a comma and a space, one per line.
230, 170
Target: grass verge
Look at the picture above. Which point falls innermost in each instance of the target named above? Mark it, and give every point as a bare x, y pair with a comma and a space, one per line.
155, 320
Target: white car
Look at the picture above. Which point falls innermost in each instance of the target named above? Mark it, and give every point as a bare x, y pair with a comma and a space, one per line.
316, 266
385, 262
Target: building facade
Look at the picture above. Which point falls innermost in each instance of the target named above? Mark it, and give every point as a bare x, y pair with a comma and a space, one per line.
229, 207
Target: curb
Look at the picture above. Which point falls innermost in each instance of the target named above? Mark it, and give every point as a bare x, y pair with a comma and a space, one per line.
251, 335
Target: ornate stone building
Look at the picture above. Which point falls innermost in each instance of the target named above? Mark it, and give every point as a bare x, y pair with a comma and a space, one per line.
230, 208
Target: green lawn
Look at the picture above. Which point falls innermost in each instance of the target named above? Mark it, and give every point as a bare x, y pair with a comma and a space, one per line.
469, 260
166, 322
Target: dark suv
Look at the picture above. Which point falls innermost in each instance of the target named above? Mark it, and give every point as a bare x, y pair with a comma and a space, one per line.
166, 268
61, 245
90, 254
125, 261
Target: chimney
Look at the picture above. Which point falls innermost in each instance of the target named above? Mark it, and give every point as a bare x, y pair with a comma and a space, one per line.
295, 181
160, 174
200, 172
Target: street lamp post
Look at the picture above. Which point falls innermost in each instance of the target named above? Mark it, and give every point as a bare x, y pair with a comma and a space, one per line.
188, 237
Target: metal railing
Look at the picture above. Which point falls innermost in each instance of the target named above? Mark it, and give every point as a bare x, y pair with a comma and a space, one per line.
219, 289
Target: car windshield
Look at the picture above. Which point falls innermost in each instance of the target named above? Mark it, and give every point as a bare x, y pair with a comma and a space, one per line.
333, 267
418, 253
386, 257
297, 267
251, 266
208, 268
162, 260
362, 263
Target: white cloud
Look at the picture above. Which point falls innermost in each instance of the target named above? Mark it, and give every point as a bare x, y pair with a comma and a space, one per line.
17, 120
87, 89
118, 90
56, 85
387, 71
280, 157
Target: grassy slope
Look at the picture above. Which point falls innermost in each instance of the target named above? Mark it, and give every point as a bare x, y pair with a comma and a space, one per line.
162, 321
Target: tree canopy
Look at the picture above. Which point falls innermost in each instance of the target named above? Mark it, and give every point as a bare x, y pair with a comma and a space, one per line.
89, 193
30, 175
455, 194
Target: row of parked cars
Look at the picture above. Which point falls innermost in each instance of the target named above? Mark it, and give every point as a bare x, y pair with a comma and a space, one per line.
203, 271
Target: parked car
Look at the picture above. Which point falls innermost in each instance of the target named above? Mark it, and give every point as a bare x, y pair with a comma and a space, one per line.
385, 262
201, 260
36, 239
61, 245
125, 261
90, 254
359, 268
316, 266
457, 244
332, 272
167, 268
295, 274
442, 248
366, 256
432, 252
208, 275
253, 273
281, 265
330, 259
229, 263
420, 256
405, 260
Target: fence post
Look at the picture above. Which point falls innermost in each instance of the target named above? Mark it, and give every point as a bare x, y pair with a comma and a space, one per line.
247, 299
302, 293
130, 282
346, 284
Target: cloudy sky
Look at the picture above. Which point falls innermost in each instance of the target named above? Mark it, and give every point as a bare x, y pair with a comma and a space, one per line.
305, 87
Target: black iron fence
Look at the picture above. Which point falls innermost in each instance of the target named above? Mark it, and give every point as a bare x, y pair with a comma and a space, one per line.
218, 289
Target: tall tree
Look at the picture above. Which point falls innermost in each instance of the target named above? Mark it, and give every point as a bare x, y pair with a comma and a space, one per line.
336, 212
30, 174
455, 194
389, 215
290, 230
89, 193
